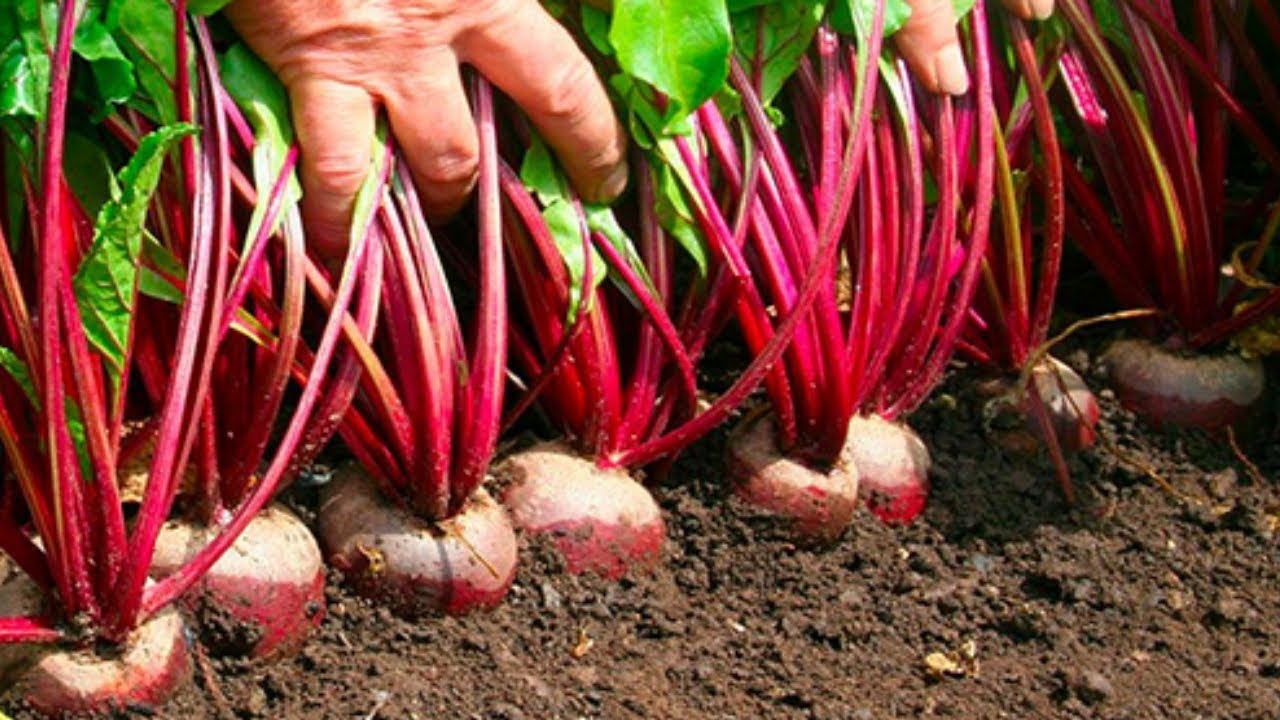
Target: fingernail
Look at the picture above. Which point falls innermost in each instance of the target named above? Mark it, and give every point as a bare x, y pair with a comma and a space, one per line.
613, 185
948, 66
1041, 9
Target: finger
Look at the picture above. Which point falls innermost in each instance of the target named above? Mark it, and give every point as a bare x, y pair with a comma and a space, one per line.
929, 44
335, 125
533, 59
431, 121
1030, 9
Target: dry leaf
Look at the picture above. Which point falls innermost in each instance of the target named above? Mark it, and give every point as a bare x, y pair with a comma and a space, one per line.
585, 643
961, 663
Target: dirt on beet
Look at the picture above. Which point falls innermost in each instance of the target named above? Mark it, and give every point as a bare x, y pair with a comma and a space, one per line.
1155, 596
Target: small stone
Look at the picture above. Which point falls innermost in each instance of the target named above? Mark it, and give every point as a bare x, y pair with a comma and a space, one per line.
506, 711
1230, 609
584, 675
1222, 483
852, 597
256, 704
982, 563
1092, 686
551, 598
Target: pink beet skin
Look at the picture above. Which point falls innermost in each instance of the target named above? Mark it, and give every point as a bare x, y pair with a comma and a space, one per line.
817, 504
893, 467
414, 566
152, 666
267, 590
601, 521
1073, 409
1208, 392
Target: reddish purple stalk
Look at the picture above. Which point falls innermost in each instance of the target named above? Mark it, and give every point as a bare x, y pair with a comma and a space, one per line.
1154, 224
773, 246
98, 568
1015, 300
425, 423
881, 347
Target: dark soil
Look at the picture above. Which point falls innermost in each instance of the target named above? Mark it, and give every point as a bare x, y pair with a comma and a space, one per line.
1156, 596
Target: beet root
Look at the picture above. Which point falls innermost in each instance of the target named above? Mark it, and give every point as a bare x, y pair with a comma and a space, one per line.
1072, 409
893, 467
142, 673
264, 596
1208, 392
414, 566
600, 521
816, 504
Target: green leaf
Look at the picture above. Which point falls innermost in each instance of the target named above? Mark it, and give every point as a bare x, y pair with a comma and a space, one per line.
88, 171
600, 219
24, 80
157, 287
781, 32
676, 217
265, 104
595, 26
961, 8
1112, 25
106, 283
17, 369
680, 48
112, 71
644, 120
206, 7
159, 264
145, 31
855, 17
539, 173
12, 364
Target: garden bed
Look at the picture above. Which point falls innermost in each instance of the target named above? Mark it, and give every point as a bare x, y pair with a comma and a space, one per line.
1141, 602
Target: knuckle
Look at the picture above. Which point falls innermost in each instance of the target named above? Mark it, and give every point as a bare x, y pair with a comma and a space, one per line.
337, 172
451, 166
568, 92
603, 159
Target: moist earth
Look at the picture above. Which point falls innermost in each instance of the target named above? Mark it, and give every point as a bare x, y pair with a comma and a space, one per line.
1155, 596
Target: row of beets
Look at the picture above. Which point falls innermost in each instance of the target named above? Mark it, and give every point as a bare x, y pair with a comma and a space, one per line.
174, 357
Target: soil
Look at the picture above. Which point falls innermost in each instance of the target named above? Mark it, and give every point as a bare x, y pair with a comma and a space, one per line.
1154, 596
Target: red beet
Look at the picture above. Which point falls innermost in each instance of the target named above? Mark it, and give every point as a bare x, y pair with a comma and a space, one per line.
818, 504
601, 521
1072, 408
414, 566
1209, 392
264, 596
893, 467
149, 668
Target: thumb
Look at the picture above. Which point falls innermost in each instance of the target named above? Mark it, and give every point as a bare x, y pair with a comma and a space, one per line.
929, 44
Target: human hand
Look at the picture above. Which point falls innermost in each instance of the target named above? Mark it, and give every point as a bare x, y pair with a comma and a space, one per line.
342, 60
929, 44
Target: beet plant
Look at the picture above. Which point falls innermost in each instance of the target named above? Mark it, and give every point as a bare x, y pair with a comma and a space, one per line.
617, 307
1156, 89
266, 593
904, 180
412, 526
112, 320
1014, 303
